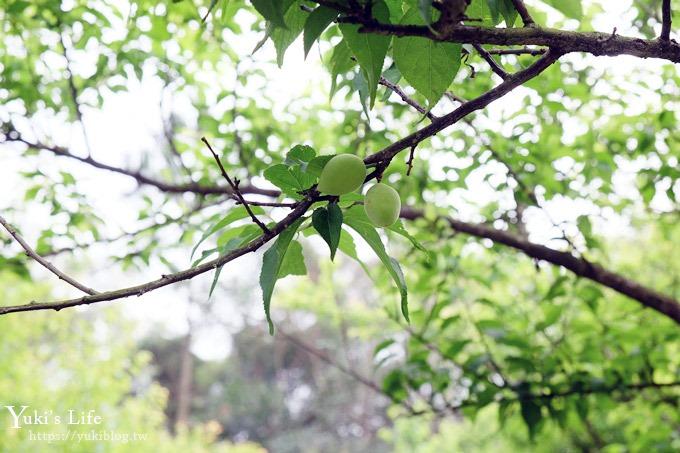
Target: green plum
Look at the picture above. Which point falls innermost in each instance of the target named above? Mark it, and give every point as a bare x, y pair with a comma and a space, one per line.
342, 174
382, 205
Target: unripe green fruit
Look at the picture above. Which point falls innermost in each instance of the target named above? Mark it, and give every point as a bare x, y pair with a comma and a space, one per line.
342, 174
382, 205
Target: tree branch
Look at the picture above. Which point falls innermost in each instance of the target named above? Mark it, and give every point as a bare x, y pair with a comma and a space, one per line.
523, 13
42, 261
166, 280
142, 179
478, 103
595, 43
666, 20
495, 67
646, 296
73, 91
346, 370
404, 97
520, 51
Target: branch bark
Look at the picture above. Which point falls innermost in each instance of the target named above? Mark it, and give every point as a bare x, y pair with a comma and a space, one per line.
143, 179
509, 84
665, 20
579, 266
495, 67
595, 43
523, 12
166, 280
42, 261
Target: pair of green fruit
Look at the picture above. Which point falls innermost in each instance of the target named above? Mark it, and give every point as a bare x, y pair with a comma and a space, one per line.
345, 173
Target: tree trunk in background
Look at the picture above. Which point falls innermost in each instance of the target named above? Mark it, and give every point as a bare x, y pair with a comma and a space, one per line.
184, 383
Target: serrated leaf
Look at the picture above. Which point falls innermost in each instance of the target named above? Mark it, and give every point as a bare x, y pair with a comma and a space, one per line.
293, 261
531, 414
425, 10
316, 23
283, 37
315, 166
300, 153
356, 219
289, 180
271, 266
235, 214
427, 65
398, 227
572, 8
340, 63
369, 48
361, 87
216, 277
328, 223
271, 10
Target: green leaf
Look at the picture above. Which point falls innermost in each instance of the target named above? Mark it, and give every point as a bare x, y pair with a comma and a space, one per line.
271, 10
328, 222
233, 243
427, 65
289, 180
235, 214
218, 271
398, 227
479, 10
316, 23
503, 8
315, 166
425, 9
531, 414
271, 266
572, 8
361, 87
300, 153
368, 48
356, 219
293, 261
340, 63
283, 37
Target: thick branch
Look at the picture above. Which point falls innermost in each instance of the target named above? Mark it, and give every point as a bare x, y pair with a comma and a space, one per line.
595, 43
42, 261
666, 20
478, 103
520, 51
579, 266
166, 280
143, 179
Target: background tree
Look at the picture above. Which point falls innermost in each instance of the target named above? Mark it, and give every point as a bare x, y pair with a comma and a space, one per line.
506, 130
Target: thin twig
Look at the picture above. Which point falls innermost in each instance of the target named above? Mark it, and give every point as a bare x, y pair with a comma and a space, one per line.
73, 91
234, 186
666, 20
410, 160
523, 13
495, 67
404, 97
42, 261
